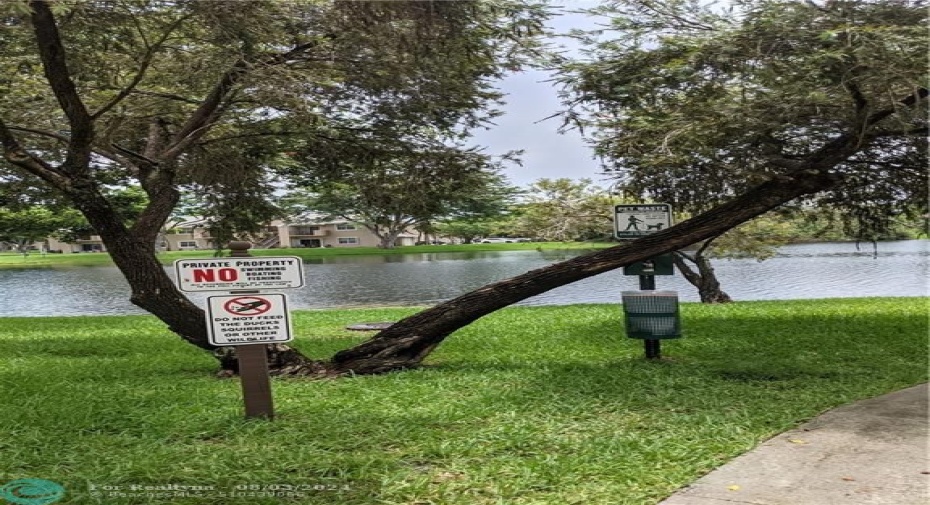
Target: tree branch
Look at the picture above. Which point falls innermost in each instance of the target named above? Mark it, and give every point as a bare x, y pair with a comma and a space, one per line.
14, 153
44, 133
54, 64
66, 139
245, 135
857, 96
200, 121
129, 152
143, 67
661, 10
909, 101
169, 96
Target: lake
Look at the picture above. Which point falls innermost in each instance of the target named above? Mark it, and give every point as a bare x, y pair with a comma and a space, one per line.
824, 270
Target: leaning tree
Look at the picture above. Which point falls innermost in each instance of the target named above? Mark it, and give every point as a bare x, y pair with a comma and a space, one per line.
868, 56
691, 104
733, 113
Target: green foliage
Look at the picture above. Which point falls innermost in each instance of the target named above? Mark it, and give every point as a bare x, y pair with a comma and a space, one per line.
34, 224
565, 210
468, 230
209, 95
403, 185
692, 103
26, 224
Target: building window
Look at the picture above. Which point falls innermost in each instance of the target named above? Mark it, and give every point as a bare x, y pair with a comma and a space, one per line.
345, 226
348, 241
187, 244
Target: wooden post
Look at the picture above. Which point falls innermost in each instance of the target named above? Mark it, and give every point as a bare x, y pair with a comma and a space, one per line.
253, 363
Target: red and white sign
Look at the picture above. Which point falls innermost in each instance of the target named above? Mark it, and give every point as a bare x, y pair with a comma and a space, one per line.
248, 319
233, 274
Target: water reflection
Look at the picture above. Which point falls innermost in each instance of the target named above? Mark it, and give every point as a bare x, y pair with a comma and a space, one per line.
798, 271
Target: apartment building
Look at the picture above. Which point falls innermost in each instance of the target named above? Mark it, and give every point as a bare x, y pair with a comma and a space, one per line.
337, 233
194, 234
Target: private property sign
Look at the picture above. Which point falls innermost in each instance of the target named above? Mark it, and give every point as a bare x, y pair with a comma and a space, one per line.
229, 274
245, 318
248, 319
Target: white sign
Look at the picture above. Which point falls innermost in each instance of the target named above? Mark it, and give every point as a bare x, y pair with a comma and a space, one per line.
634, 221
229, 274
248, 319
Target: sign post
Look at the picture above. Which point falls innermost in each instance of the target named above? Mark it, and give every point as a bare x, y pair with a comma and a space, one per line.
246, 318
632, 222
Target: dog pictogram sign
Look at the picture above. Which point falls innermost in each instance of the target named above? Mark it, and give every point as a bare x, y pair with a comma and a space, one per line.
634, 221
248, 319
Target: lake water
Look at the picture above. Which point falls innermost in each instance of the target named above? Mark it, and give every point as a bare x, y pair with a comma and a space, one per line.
829, 270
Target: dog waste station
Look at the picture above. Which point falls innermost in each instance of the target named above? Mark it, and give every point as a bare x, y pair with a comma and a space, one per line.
649, 315
246, 317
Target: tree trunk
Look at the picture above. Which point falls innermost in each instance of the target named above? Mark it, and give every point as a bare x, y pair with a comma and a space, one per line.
705, 280
386, 241
154, 291
386, 237
406, 343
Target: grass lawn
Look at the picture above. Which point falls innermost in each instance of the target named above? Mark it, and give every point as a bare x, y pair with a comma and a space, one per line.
35, 259
531, 405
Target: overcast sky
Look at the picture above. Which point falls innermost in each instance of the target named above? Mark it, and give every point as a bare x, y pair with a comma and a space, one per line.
530, 99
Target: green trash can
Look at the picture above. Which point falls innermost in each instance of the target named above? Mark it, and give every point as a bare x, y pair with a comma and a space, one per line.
652, 315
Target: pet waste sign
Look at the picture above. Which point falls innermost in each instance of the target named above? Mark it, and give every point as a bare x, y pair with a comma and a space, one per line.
242, 319
634, 221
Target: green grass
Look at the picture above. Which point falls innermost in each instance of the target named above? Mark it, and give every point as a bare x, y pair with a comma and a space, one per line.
534, 405
35, 259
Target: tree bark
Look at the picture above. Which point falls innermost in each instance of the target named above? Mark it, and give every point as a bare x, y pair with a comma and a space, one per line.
705, 279
153, 290
406, 343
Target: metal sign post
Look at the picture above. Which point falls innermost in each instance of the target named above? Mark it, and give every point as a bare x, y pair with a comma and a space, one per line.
647, 282
635, 221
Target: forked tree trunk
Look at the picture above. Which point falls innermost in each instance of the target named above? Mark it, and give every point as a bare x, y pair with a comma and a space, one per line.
153, 290
704, 279
406, 343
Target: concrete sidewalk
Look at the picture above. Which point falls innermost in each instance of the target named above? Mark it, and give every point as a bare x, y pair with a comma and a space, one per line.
872, 452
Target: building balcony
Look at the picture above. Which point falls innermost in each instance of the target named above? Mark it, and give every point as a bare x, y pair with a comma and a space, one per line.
307, 231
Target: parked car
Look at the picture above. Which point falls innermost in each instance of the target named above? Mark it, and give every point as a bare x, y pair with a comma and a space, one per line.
503, 240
